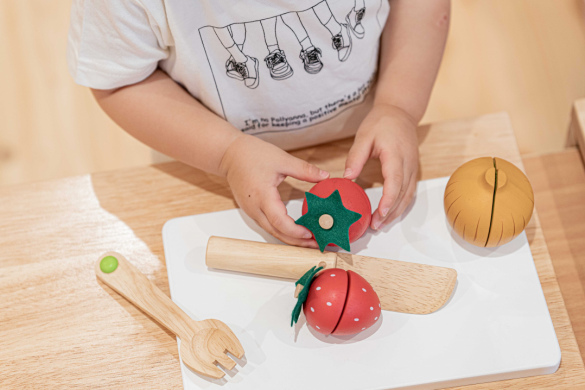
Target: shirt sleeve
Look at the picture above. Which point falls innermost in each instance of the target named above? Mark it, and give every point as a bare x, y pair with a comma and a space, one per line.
113, 43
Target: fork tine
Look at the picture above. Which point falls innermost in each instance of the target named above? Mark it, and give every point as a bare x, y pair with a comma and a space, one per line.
225, 361
236, 348
208, 369
200, 361
232, 343
217, 342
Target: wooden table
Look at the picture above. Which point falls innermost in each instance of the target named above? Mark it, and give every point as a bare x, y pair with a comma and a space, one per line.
60, 328
558, 180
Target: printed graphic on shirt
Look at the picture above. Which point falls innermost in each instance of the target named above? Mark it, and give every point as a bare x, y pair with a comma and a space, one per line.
306, 65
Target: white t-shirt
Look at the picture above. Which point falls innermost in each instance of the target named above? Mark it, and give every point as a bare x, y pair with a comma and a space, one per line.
293, 72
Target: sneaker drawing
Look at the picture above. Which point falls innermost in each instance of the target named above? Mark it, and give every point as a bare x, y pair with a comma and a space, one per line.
230, 69
311, 60
342, 42
278, 65
356, 27
248, 72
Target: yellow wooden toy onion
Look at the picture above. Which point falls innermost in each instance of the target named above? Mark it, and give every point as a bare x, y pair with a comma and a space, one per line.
488, 201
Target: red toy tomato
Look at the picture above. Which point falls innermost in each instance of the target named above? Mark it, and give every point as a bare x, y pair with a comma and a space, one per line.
341, 303
353, 198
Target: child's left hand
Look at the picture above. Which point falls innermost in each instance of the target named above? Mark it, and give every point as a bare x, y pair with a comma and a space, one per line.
389, 134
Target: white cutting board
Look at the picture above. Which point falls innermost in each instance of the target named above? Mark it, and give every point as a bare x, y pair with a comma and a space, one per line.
496, 326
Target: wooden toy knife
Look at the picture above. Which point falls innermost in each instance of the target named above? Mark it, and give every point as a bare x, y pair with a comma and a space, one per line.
401, 286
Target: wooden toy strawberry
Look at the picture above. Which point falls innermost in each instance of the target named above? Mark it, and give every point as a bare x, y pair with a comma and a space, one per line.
337, 302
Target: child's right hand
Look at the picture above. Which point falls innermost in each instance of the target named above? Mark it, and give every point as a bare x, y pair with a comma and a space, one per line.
254, 169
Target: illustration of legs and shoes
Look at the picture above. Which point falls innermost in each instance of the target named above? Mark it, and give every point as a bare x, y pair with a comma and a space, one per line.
354, 18
340, 32
310, 55
239, 38
276, 60
239, 66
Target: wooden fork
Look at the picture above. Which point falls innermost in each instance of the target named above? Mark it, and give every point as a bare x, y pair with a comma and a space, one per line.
203, 343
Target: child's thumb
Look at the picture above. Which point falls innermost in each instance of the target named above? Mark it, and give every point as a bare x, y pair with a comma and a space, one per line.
356, 159
302, 170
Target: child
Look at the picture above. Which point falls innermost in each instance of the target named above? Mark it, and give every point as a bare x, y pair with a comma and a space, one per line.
227, 86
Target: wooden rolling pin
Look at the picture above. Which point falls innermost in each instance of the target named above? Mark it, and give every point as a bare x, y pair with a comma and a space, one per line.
401, 286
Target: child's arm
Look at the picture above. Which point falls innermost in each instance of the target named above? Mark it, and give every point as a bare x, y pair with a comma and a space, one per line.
158, 112
411, 51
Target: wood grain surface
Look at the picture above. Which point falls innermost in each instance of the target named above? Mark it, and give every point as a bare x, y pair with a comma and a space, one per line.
59, 328
559, 187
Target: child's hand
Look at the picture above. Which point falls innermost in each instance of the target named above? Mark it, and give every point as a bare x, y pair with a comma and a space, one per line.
254, 169
388, 133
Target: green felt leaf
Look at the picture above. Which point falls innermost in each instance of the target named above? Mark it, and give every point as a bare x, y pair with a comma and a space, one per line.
304, 281
342, 220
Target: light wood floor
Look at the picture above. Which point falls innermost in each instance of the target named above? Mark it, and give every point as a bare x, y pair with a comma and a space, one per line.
558, 180
522, 56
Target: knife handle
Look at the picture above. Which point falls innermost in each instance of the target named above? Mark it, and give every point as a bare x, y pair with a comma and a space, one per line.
259, 258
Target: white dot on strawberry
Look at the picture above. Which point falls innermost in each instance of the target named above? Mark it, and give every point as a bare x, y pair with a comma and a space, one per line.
375, 319
356, 319
371, 308
328, 303
363, 289
318, 288
313, 310
332, 275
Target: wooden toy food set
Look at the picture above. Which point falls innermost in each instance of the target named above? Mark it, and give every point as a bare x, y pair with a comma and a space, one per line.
401, 286
338, 211
359, 308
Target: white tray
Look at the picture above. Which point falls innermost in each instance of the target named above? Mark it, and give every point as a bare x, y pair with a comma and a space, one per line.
496, 326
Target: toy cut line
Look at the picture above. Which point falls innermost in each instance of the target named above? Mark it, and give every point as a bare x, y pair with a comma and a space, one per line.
493, 203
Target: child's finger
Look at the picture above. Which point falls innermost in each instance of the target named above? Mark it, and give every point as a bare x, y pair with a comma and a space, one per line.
265, 224
302, 170
393, 174
277, 216
407, 177
357, 157
404, 203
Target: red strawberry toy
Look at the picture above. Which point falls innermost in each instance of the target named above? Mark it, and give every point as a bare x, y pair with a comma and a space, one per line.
341, 302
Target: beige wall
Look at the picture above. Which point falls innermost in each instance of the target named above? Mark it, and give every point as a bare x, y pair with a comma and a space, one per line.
50, 127
526, 57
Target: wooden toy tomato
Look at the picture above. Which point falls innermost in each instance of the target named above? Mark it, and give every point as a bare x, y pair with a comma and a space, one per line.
337, 211
341, 302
